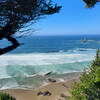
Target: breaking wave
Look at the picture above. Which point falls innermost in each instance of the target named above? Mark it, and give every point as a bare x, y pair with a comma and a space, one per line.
28, 70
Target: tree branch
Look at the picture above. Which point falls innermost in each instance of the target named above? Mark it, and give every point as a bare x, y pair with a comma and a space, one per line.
14, 45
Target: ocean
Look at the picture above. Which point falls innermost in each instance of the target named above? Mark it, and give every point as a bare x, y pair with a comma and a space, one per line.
26, 66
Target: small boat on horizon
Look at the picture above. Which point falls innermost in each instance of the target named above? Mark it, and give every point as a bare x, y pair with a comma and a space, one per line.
85, 40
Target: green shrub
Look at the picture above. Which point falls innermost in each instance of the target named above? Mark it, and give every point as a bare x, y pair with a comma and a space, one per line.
89, 86
4, 96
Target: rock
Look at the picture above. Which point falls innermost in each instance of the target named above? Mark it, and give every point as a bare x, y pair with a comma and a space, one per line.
51, 80
39, 93
63, 95
48, 73
47, 93
65, 85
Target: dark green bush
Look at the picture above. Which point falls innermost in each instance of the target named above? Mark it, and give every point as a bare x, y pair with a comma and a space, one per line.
89, 86
4, 96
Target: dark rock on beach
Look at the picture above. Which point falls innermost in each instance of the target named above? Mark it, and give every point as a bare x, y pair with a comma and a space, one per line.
39, 93
46, 93
48, 73
52, 80
63, 95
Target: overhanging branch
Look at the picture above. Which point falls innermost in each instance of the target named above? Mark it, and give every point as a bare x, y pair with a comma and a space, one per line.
14, 45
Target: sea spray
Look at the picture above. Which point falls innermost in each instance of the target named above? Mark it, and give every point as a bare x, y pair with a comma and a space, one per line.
26, 66
23, 71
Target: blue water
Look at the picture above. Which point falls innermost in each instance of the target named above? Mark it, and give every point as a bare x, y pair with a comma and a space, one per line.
49, 44
26, 66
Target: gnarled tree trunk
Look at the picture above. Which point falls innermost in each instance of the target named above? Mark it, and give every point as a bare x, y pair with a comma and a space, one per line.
14, 45
7, 32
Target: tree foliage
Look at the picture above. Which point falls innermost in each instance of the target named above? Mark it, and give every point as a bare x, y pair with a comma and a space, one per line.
18, 12
89, 86
90, 3
14, 14
4, 96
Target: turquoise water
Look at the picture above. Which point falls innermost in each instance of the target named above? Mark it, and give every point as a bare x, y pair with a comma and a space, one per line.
26, 66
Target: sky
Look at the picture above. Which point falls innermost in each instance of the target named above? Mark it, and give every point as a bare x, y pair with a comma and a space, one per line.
73, 18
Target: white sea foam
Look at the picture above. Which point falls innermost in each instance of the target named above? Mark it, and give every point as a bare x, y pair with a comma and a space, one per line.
40, 63
61, 80
9, 85
43, 58
88, 51
25, 66
3, 72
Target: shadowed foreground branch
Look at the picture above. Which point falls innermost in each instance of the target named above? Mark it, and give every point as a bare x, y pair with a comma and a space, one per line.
91, 3
14, 14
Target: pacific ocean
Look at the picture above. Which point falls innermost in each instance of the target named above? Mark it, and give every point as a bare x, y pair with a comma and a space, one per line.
26, 66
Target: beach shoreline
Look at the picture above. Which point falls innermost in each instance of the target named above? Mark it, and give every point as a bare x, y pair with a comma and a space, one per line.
52, 91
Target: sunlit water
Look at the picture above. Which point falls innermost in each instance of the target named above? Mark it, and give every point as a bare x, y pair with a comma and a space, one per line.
26, 66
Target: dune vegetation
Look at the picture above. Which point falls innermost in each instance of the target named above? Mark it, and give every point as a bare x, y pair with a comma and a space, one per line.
4, 96
89, 86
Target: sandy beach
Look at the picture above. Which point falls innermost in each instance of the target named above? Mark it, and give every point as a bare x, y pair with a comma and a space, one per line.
53, 91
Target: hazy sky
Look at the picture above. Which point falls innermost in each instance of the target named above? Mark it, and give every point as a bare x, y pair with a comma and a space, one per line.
73, 18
